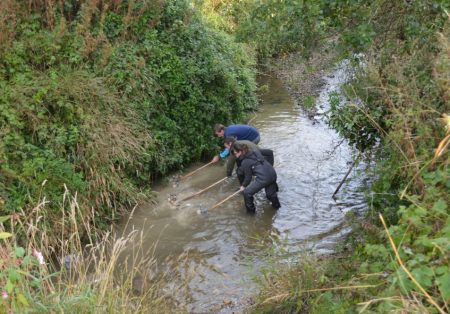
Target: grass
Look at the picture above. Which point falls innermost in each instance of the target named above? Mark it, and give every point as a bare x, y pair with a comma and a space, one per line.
69, 276
303, 285
104, 97
400, 262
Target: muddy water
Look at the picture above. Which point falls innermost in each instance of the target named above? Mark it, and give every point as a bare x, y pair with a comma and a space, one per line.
225, 244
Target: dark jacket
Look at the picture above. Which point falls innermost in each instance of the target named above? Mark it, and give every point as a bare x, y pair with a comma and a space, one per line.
254, 164
232, 159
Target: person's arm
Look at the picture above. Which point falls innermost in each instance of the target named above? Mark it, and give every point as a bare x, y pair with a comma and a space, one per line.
247, 174
223, 154
230, 165
215, 159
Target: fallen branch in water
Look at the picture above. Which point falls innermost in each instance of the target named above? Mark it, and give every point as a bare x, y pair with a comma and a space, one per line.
345, 178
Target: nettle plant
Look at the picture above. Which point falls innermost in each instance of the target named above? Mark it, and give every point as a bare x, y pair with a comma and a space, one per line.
422, 238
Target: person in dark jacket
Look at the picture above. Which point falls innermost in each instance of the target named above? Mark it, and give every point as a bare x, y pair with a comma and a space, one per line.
232, 160
254, 164
239, 132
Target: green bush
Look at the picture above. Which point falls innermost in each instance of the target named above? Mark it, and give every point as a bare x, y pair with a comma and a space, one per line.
106, 97
397, 102
276, 27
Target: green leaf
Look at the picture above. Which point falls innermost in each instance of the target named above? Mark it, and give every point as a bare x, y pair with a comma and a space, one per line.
376, 250
5, 235
13, 275
424, 275
444, 285
402, 281
36, 283
446, 229
4, 218
26, 261
20, 251
442, 270
424, 241
21, 298
9, 286
443, 243
440, 207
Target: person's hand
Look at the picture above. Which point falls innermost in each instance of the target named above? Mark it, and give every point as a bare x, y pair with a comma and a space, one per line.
242, 189
215, 159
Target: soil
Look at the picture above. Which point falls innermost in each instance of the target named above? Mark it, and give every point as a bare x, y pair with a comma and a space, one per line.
303, 78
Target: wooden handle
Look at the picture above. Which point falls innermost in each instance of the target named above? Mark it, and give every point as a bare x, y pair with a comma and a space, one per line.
225, 199
201, 191
191, 173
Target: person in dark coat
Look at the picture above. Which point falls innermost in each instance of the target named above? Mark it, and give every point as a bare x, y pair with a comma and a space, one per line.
254, 164
232, 160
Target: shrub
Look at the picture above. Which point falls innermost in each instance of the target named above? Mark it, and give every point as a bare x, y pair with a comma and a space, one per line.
103, 97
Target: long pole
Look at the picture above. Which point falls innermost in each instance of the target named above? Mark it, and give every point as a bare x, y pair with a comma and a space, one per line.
191, 173
225, 199
204, 190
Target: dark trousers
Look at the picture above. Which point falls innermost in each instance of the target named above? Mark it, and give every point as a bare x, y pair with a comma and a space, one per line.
271, 190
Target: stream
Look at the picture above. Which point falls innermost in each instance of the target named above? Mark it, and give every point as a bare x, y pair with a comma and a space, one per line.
223, 248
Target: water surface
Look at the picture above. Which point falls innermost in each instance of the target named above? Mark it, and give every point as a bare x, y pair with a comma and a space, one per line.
225, 246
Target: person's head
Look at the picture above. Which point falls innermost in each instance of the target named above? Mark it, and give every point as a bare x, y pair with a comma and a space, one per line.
240, 149
228, 142
219, 130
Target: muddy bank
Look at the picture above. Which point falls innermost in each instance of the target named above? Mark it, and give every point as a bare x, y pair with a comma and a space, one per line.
304, 78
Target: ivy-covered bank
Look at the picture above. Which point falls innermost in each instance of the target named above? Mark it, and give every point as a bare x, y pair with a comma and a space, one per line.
100, 97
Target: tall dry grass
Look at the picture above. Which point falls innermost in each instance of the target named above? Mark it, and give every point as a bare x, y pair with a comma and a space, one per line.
8, 21
102, 276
